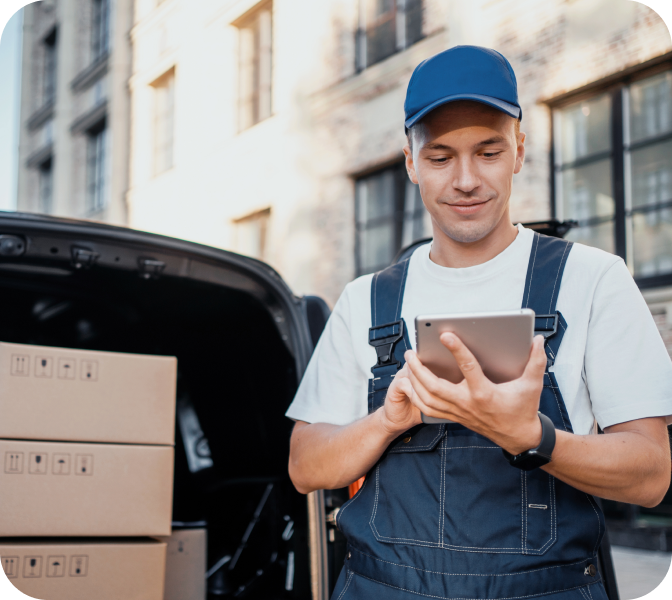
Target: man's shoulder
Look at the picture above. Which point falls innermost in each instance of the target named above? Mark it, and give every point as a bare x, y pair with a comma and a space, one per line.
588, 261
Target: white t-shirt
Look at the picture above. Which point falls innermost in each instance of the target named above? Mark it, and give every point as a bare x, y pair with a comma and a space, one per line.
612, 365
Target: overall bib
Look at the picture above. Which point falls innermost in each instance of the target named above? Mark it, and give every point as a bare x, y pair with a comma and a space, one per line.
443, 514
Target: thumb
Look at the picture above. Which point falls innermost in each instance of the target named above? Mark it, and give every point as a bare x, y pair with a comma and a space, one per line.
536, 365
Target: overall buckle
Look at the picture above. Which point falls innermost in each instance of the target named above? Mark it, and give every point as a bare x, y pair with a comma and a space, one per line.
546, 331
383, 338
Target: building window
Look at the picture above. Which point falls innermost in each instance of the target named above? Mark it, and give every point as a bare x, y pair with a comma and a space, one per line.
96, 168
386, 27
250, 234
389, 216
164, 122
100, 29
49, 79
613, 173
46, 186
255, 68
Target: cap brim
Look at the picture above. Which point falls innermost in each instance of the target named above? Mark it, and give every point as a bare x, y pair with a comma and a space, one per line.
505, 107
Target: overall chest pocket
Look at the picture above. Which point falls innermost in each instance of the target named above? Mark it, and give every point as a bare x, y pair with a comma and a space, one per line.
457, 491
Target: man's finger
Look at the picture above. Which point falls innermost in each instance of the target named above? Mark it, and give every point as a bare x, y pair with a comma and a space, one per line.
430, 382
536, 365
468, 364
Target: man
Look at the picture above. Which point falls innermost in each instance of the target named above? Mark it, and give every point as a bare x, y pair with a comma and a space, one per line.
443, 512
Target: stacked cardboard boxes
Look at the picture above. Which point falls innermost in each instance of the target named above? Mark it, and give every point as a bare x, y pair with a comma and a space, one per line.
86, 451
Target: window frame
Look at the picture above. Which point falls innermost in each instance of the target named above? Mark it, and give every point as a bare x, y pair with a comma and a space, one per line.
50, 67
100, 29
616, 86
97, 179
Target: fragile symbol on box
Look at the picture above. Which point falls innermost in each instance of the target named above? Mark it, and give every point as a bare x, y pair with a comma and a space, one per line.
20, 365
56, 566
32, 566
84, 464
13, 462
10, 565
67, 368
61, 464
43, 366
38, 463
90, 370
79, 566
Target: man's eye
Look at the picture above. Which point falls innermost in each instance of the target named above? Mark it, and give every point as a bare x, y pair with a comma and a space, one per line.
443, 159
490, 154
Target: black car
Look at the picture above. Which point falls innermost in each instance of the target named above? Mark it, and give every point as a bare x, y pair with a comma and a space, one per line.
242, 340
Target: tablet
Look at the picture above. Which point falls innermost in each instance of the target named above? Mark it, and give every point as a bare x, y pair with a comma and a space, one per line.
500, 341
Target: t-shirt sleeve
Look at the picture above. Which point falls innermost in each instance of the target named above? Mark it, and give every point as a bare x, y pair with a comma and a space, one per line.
333, 388
627, 367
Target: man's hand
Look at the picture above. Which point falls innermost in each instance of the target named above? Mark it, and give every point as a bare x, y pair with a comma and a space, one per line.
398, 413
505, 413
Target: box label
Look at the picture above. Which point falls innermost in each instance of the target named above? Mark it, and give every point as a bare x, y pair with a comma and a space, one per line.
56, 566
38, 464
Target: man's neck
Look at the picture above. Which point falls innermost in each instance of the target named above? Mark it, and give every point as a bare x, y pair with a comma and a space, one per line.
447, 252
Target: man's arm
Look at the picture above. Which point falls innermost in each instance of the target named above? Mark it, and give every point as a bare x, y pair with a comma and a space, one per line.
325, 456
630, 463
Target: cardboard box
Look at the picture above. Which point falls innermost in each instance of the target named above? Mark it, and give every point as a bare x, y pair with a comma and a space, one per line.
66, 489
85, 396
83, 570
186, 558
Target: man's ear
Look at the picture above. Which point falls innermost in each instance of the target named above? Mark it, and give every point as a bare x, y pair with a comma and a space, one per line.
410, 165
520, 152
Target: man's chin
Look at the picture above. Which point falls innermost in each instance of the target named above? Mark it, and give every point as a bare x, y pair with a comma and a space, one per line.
469, 233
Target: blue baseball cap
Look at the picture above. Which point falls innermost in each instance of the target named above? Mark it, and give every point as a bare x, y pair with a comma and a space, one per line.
462, 73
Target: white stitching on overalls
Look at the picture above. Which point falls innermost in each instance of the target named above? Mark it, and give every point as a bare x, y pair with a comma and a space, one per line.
554, 513
522, 510
347, 584
584, 594
567, 246
350, 502
523, 493
455, 598
442, 489
589, 592
428, 446
564, 424
375, 300
599, 525
401, 290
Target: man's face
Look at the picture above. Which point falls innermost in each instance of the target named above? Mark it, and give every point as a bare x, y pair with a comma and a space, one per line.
464, 157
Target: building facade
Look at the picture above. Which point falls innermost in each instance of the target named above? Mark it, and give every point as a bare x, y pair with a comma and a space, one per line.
275, 128
74, 131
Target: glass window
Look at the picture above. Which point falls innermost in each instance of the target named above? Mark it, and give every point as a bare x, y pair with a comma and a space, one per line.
250, 234
255, 66
386, 27
389, 216
100, 30
46, 186
96, 168
164, 122
613, 173
49, 80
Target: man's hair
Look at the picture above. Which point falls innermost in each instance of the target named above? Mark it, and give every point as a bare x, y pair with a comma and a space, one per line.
409, 133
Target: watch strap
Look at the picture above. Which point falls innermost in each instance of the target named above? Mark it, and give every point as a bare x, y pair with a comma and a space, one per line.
539, 456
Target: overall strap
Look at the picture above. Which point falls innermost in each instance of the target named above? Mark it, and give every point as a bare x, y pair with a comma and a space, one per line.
387, 327
542, 285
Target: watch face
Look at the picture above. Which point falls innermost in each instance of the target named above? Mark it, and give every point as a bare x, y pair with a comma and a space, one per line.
530, 460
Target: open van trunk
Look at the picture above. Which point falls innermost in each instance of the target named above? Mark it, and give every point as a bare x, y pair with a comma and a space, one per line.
242, 342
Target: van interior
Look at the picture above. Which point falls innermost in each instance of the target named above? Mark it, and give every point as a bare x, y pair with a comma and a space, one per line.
236, 378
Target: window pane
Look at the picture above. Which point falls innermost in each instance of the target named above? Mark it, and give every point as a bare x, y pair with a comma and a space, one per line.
377, 197
585, 129
381, 30
652, 242
599, 236
587, 191
413, 21
652, 175
651, 107
377, 247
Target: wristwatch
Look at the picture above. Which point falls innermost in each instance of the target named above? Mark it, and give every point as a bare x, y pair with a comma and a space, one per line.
539, 456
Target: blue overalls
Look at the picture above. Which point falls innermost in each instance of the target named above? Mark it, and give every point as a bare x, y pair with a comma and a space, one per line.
443, 514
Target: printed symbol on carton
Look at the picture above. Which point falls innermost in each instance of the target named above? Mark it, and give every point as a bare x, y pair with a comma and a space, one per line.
90, 370
13, 462
43, 366
61, 464
38, 463
56, 566
20, 365
10, 565
79, 565
32, 566
67, 368
84, 464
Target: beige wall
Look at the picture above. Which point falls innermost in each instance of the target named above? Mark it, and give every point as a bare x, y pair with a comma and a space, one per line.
329, 122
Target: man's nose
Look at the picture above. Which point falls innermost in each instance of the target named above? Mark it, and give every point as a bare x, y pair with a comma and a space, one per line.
466, 176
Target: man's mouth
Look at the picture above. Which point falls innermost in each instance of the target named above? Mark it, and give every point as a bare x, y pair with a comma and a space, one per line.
468, 208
